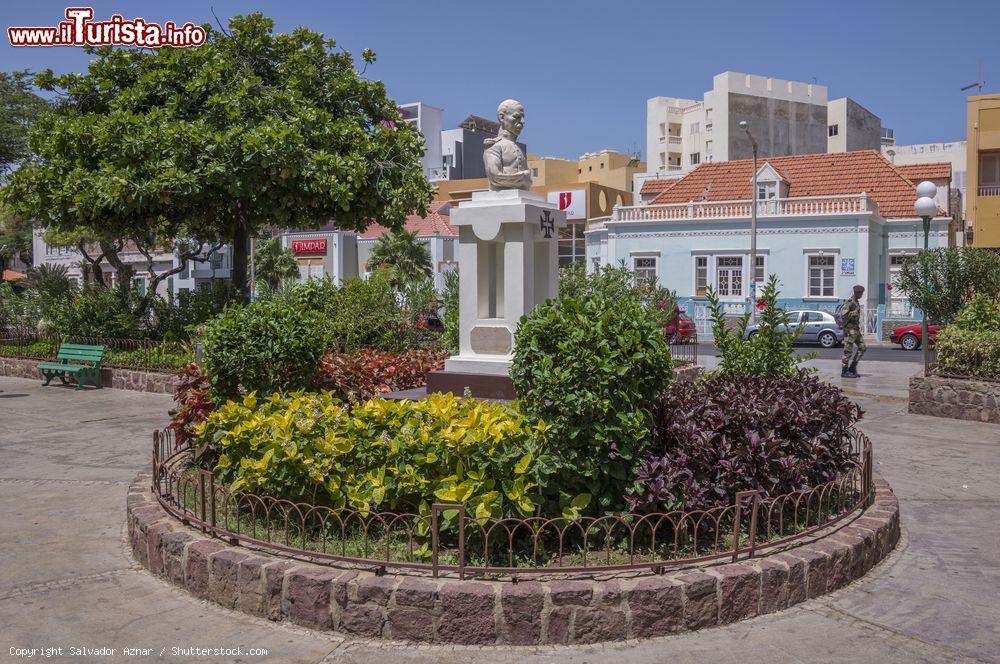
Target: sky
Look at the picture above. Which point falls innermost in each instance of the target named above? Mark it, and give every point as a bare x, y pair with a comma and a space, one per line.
585, 69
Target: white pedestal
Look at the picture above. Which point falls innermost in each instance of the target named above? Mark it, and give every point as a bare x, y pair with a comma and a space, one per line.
508, 262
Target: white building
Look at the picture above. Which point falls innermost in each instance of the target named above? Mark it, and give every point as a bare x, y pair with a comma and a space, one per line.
785, 117
953, 152
196, 274
430, 121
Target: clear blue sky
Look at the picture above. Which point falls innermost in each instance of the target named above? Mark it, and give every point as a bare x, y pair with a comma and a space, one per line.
585, 69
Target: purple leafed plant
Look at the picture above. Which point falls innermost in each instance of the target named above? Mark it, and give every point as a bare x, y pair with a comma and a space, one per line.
734, 433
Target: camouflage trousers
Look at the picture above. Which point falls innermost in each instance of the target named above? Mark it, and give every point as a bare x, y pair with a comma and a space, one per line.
854, 346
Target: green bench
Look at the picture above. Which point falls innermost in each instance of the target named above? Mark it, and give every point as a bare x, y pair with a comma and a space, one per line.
79, 360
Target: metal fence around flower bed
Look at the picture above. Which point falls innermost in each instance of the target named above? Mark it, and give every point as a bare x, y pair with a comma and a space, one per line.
136, 354
447, 540
684, 349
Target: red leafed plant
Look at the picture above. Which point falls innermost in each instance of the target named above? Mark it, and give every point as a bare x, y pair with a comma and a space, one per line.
369, 373
193, 403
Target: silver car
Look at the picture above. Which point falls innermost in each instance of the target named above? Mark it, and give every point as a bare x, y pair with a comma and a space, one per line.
816, 327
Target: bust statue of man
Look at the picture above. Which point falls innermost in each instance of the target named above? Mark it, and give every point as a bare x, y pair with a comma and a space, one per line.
506, 167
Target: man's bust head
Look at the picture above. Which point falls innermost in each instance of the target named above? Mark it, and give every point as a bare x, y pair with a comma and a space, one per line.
510, 114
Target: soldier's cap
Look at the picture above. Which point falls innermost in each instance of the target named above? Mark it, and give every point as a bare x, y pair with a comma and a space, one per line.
859, 288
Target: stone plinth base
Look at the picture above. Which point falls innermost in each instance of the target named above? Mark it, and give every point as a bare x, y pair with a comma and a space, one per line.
480, 386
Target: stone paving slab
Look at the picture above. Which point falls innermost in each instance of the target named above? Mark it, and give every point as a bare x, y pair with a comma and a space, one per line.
933, 600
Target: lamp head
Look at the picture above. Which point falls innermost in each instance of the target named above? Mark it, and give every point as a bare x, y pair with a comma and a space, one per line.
926, 189
925, 207
743, 125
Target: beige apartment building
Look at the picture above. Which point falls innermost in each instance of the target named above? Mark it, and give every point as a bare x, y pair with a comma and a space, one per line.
983, 178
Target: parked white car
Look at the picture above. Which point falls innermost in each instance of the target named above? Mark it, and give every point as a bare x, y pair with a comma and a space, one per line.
817, 327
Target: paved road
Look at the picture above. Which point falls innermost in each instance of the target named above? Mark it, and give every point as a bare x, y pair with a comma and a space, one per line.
875, 352
66, 578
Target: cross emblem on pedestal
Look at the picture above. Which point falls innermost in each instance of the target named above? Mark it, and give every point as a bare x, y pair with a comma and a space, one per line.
548, 224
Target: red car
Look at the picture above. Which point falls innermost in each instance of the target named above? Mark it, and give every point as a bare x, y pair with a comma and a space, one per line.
681, 330
911, 336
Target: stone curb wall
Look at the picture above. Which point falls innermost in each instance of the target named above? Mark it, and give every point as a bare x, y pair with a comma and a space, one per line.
957, 398
119, 379
420, 608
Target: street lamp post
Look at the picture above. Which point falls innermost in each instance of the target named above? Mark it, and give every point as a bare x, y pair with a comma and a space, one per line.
753, 223
926, 208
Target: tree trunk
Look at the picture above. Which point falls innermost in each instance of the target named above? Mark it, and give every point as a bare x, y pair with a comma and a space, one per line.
241, 251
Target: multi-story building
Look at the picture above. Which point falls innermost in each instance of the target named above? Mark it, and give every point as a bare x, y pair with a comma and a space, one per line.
430, 121
608, 168
194, 275
850, 126
785, 118
825, 223
983, 175
462, 148
953, 152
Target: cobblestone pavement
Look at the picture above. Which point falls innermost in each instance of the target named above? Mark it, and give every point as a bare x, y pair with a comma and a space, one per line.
67, 581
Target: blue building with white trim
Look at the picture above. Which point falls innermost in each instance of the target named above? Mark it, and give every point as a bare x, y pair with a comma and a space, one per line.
824, 223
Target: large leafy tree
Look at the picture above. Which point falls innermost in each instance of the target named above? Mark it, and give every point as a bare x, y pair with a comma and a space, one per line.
15, 241
403, 251
212, 144
19, 107
942, 281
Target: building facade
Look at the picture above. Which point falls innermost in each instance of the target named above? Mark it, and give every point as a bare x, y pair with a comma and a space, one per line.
194, 275
825, 223
953, 152
851, 127
429, 120
785, 118
983, 171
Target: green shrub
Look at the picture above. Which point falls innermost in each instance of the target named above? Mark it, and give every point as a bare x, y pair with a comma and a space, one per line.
96, 312
379, 455
968, 353
262, 347
451, 310
769, 352
982, 314
970, 346
591, 363
178, 320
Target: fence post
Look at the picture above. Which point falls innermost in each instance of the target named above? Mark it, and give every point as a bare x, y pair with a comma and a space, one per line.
434, 539
461, 542
211, 489
738, 520
156, 459
201, 491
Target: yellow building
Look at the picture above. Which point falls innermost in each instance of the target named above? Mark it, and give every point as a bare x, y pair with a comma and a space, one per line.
983, 184
607, 168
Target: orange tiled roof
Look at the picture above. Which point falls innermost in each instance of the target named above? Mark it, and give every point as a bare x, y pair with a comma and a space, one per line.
939, 170
11, 275
864, 171
434, 223
657, 185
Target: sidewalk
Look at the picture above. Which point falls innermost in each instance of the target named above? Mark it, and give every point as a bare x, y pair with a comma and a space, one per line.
68, 581
879, 380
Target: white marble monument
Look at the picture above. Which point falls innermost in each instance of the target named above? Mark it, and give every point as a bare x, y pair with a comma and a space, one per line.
507, 253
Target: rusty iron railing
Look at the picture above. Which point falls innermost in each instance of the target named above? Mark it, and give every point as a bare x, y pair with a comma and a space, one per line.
448, 541
684, 349
137, 354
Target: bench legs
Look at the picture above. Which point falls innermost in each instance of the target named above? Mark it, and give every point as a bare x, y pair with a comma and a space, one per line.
93, 377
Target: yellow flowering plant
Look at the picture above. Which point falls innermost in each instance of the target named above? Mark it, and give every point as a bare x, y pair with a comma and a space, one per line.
382, 455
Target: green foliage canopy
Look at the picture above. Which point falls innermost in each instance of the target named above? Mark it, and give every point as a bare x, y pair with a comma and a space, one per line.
251, 129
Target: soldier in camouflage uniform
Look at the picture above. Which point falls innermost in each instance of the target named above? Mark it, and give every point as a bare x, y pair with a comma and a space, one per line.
854, 343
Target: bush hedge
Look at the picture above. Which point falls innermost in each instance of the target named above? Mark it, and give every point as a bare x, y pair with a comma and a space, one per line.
732, 433
591, 363
369, 373
970, 346
262, 347
379, 455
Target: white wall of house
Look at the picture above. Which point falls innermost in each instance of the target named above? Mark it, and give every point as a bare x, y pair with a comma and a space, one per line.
954, 152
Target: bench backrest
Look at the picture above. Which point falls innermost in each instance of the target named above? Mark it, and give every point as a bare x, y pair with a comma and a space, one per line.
80, 354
